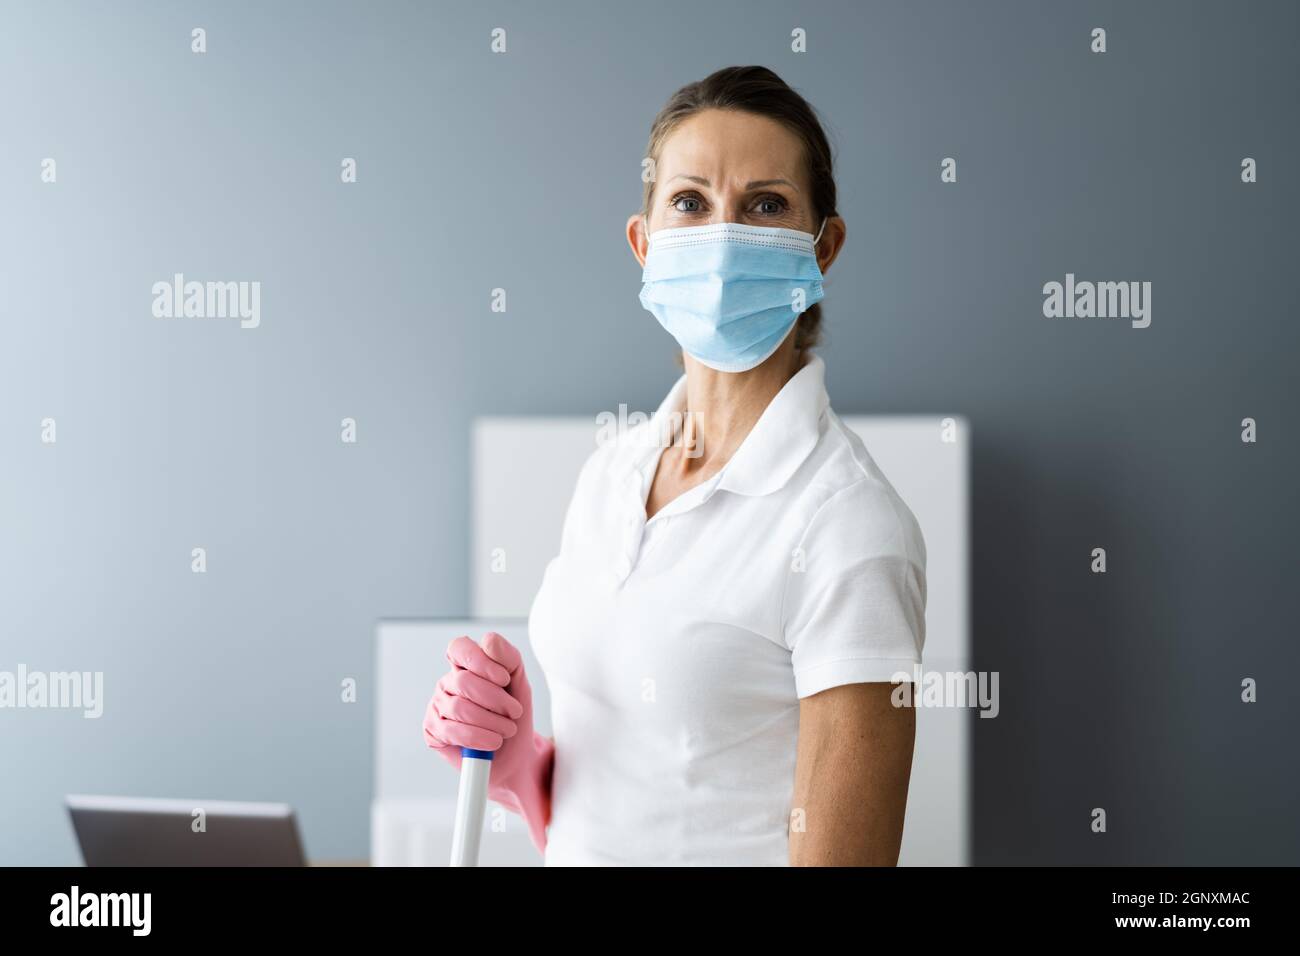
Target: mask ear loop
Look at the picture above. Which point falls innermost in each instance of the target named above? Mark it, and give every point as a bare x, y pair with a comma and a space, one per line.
818, 237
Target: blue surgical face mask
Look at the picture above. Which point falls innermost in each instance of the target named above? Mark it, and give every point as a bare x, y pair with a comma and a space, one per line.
728, 293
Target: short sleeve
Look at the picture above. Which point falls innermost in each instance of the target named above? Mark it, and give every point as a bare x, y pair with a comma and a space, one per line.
854, 605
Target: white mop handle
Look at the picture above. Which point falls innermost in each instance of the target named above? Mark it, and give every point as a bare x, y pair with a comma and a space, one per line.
471, 805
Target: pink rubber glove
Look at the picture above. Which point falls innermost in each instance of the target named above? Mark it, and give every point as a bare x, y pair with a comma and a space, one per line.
485, 702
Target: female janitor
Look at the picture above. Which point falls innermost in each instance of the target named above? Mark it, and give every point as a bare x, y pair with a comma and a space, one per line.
737, 582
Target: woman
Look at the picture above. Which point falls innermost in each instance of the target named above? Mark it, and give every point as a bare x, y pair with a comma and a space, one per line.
737, 582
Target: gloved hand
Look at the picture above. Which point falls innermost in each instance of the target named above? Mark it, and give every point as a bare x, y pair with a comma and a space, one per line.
486, 703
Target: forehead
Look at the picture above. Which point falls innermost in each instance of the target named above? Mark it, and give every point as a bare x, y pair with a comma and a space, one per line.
732, 144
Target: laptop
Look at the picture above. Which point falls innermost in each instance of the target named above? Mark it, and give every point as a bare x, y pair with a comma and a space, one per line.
140, 831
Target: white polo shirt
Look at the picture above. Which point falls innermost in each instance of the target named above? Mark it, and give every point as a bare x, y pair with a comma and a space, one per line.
676, 650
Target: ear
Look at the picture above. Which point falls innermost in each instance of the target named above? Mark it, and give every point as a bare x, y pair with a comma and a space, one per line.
637, 238
832, 241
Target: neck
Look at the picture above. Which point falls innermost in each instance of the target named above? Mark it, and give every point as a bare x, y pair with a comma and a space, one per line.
723, 407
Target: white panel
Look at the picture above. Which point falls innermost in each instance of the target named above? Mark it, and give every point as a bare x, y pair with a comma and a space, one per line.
418, 833
933, 477
936, 830
524, 473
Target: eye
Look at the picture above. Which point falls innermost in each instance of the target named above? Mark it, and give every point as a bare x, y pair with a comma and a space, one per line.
686, 202
772, 205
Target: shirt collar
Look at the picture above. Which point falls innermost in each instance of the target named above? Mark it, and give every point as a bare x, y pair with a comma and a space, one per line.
780, 441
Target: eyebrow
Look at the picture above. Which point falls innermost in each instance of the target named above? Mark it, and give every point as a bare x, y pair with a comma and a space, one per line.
752, 184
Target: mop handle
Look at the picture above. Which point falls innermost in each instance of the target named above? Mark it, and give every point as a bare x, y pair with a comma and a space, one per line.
471, 805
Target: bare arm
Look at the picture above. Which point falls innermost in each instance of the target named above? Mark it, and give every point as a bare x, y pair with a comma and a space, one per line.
851, 774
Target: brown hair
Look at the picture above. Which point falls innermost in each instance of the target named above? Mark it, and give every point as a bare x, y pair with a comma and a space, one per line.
756, 89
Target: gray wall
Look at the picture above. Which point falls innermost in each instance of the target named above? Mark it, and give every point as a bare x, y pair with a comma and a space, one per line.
479, 170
